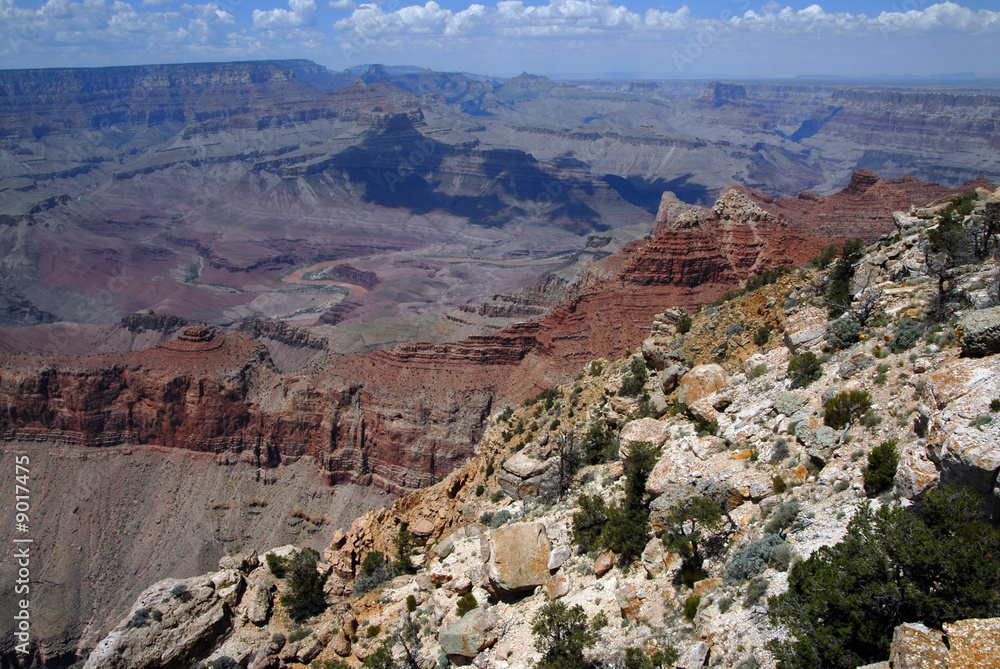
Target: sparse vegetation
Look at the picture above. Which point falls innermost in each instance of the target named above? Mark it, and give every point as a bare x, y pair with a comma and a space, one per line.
752, 559
305, 597
691, 607
635, 379
842, 333
845, 407
908, 333
684, 323
687, 524
762, 335
881, 469
895, 565
562, 634
803, 369
783, 517
466, 603
375, 570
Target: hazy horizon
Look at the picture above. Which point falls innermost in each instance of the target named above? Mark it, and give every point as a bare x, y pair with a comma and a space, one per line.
733, 39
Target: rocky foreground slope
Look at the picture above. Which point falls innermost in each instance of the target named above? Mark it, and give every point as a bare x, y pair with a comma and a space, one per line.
761, 404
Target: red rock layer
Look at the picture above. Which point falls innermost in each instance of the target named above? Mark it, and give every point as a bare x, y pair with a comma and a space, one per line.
401, 418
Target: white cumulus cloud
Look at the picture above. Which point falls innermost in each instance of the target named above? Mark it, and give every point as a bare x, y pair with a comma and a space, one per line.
299, 13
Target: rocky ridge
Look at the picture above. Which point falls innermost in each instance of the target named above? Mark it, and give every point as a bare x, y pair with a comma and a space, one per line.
499, 529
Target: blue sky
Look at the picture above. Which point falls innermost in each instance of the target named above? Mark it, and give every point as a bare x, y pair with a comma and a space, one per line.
713, 38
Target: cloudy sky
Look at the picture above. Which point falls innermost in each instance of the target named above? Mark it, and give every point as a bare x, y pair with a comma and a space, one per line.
711, 38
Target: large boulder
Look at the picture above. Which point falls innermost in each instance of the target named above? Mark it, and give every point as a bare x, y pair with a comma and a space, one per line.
805, 329
979, 332
914, 646
519, 557
171, 624
671, 376
650, 430
473, 633
973, 643
524, 475
701, 381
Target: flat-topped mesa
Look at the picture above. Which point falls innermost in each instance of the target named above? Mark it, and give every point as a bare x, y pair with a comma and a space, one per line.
194, 339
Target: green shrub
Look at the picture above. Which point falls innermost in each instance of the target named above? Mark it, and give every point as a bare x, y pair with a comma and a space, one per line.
756, 590
403, 542
635, 380
842, 333
870, 420
908, 333
305, 597
838, 295
881, 469
375, 570
725, 603
845, 407
225, 662
625, 532
500, 517
382, 657
691, 607
758, 371
298, 634
803, 369
778, 484
486, 518
826, 256
411, 603
752, 559
562, 634
995, 404
686, 523
277, 565
683, 324
599, 444
600, 621
926, 562
981, 420
589, 521
783, 517
496, 497
762, 335
596, 368
781, 557
480, 489
466, 603
329, 664
373, 631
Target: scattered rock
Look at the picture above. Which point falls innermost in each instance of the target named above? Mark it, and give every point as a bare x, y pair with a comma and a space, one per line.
979, 332
671, 376
603, 564
519, 557
473, 633
702, 380
695, 657
557, 586
805, 329
914, 646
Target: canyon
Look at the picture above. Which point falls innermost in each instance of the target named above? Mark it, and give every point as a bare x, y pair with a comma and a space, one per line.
270, 297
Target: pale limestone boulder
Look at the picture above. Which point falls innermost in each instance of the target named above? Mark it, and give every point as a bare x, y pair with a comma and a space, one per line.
914, 646
656, 432
979, 332
694, 657
916, 472
973, 643
701, 381
473, 633
180, 620
557, 586
519, 557
805, 329
257, 604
